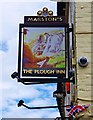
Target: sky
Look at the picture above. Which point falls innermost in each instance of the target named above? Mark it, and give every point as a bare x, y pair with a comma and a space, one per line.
11, 14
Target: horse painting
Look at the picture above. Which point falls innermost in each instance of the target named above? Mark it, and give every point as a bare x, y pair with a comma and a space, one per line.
53, 44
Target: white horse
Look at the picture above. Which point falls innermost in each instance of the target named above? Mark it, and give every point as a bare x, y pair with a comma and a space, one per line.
53, 44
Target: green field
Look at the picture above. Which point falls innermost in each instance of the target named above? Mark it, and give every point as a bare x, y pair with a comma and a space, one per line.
59, 60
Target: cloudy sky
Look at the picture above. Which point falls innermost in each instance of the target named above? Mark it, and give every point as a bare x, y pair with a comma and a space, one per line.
11, 14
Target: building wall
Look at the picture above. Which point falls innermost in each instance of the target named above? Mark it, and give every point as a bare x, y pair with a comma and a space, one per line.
83, 33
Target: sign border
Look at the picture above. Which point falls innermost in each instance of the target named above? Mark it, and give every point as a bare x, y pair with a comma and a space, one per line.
50, 79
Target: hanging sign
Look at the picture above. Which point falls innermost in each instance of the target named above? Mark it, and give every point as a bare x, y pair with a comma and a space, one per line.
43, 43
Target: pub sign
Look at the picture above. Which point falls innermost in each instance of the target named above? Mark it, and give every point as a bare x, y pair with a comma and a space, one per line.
43, 49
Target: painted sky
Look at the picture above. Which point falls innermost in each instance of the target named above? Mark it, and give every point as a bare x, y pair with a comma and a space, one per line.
11, 14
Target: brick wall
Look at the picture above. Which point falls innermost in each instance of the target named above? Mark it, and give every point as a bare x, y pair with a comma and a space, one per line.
83, 33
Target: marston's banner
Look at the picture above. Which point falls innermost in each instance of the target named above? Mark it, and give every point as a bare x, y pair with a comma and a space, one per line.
42, 50
29, 19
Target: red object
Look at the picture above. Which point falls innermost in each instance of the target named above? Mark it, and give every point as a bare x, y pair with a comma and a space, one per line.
68, 87
25, 31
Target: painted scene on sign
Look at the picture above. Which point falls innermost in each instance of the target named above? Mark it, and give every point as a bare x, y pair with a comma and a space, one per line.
43, 47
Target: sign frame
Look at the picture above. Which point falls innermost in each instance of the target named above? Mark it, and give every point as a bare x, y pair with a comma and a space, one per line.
43, 78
